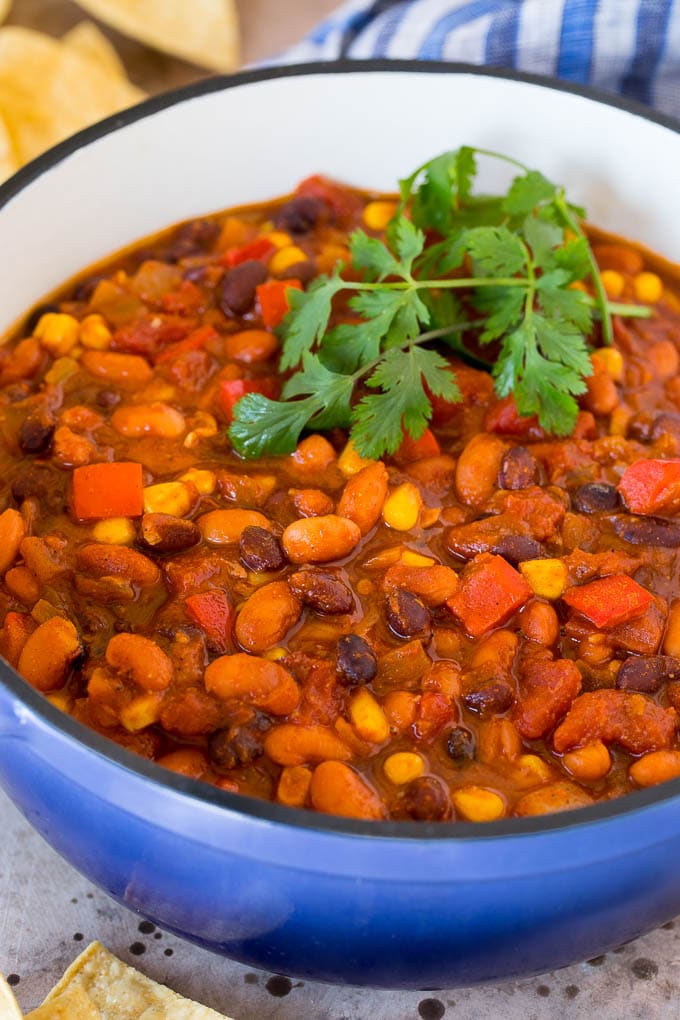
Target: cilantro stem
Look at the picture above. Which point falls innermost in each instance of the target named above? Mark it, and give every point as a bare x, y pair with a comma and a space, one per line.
600, 294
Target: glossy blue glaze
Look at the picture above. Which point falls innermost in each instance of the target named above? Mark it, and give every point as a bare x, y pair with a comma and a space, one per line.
335, 900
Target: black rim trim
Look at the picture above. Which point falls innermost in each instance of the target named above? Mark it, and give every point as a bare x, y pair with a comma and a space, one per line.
196, 790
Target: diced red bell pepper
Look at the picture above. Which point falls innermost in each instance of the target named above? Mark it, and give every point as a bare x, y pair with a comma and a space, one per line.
412, 449
342, 201
261, 248
213, 612
108, 490
273, 299
652, 486
505, 419
194, 342
609, 601
231, 391
490, 591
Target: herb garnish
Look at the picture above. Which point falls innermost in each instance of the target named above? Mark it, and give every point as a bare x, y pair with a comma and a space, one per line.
499, 271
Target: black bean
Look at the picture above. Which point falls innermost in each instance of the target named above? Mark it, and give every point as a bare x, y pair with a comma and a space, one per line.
490, 697
518, 469
594, 496
166, 533
195, 273
260, 550
517, 548
666, 425
407, 616
192, 238
322, 590
36, 314
108, 398
648, 673
239, 744
84, 290
427, 800
35, 433
460, 744
301, 214
238, 288
648, 531
356, 661
302, 271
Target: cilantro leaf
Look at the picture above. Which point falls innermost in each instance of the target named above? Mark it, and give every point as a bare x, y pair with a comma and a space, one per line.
262, 425
307, 320
526, 192
495, 251
372, 256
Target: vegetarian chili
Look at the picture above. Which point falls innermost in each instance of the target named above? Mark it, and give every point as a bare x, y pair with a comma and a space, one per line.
484, 622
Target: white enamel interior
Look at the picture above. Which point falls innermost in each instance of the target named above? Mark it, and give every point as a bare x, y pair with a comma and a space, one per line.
255, 141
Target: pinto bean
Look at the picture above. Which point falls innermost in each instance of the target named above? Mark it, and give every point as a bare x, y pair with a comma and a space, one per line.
156, 419
559, 796
251, 345
127, 371
48, 654
267, 616
427, 800
188, 761
311, 502
648, 531
166, 533
478, 467
407, 616
320, 539
260, 550
12, 532
322, 590
356, 661
647, 674
117, 561
289, 744
224, 527
539, 623
595, 496
363, 496
518, 469
141, 660
313, 454
433, 585
259, 682
238, 288
336, 789
655, 767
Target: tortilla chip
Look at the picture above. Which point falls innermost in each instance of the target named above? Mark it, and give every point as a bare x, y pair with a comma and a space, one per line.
114, 991
204, 32
9, 163
85, 38
48, 91
9, 1009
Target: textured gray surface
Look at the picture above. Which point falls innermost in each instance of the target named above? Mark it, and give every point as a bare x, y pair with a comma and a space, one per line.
48, 913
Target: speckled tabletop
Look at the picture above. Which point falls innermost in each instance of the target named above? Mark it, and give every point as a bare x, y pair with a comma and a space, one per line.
48, 913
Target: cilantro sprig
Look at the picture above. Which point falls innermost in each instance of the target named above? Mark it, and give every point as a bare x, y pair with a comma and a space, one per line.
464, 271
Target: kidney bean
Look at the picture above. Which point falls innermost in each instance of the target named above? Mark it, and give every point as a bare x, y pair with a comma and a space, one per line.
427, 800
260, 550
165, 533
313, 454
251, 345
141, 660
336, 789
289, 744
311, 502
648, 673
489, 697
239, 744
407, 616
267, 616
518, 469
517, 548
129, 371
540, 624
300, 214
363, 497
355, 661
322, 590
35, 433
460, 744
156, 419
595, 496
648, 531
48, 654
238, 288
12, 532
266, 685
117, 561
224, 527
478, 467
320, 539
655, 767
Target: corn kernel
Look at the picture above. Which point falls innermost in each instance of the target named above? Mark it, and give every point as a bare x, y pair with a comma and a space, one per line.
403, 766
284, 258
279, 238
610, 360
61, 370
142, 711
590, 762
94, 333
414, 559
532, 763
546, 578
204, 481
57, 332
114, 531
378, 214
578, 285
293, 785
274, 654
368, 718
60, 700
167, 498
613, 283
619, 421
648, 288
364, 586
401, 509
477, 804
350, 462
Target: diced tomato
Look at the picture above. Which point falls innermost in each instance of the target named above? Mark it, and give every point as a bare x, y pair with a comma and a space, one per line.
434, 711
632, 720
610, 600
188, 299
146, 336
505, 419
546, 690
652, 486
108, 490
231, 391
273, 299
214, 613
417, 449
343, 202
194, 342
490, 591
261, 248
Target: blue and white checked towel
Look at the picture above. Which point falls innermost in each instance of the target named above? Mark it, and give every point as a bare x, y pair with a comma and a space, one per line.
631, 47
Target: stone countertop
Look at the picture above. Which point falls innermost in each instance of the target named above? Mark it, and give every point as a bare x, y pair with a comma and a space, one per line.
48, 914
